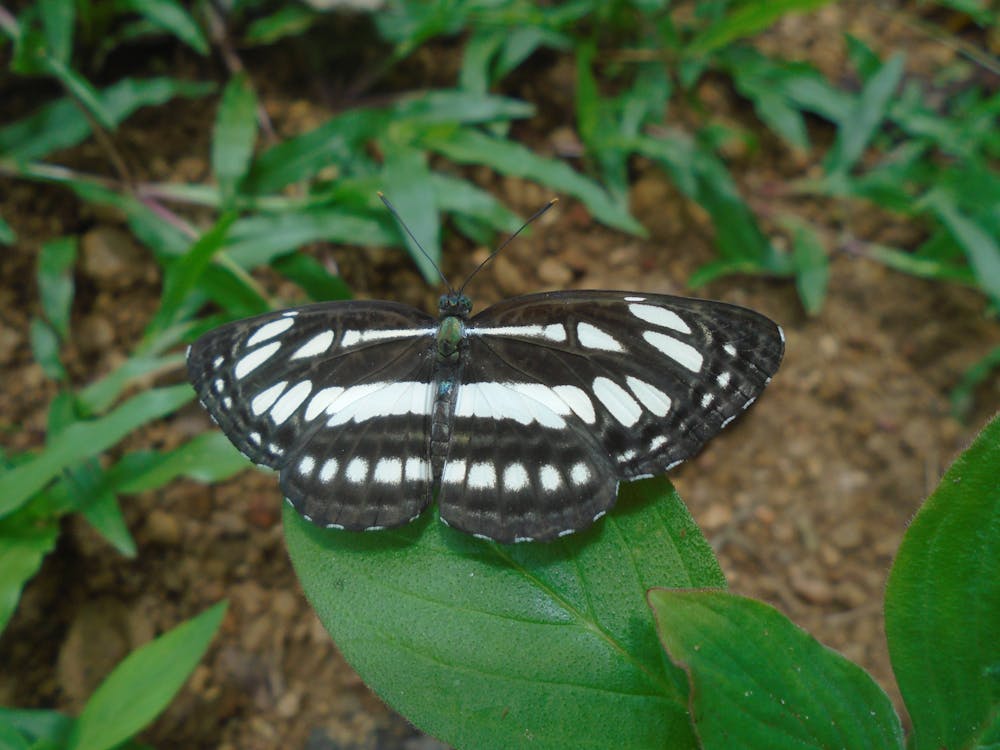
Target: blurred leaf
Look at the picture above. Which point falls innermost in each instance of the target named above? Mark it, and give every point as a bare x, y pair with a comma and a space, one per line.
45, 348
209, 457
757, 680
982, 249
470, 147
477, 58
7, 236
82, 90
927, 268
315, 280
455, 195
85, 439
862, 57
99, 505
407, 185
55, 282
61, 124
857, 130
289, 20
144, 683
942, 606
234, 135
11, 739
258, 240
172, 18
812, 267
98, 396
184, 273
489, 645
962, 394
234, 290
58, 17
746, 20
22, 549
41, 725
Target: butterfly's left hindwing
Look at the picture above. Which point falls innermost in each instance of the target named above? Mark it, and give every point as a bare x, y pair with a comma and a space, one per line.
336, 397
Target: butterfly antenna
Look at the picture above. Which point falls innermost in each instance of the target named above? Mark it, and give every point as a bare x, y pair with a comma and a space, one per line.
399, 220
507, 241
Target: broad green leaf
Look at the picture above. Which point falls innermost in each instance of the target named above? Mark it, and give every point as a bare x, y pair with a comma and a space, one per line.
812, 267
183, 274
942, 606
746, 20
758, 680
477, 58
472, 147
406, 179
61, 124
45, 348
290, 20
209, 457
144, 683
171, 16
85, 439
529, 645
7, 236
315, 280
58, 17
55, 282
870, 109
23, 546
257, 240
455, 195
234, 135
103, 512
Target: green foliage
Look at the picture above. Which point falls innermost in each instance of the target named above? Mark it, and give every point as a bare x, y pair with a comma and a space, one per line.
531, 645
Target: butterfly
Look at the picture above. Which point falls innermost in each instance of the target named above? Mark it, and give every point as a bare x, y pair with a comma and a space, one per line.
521, 419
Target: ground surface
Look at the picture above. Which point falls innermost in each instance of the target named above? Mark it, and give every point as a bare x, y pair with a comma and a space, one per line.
805, 498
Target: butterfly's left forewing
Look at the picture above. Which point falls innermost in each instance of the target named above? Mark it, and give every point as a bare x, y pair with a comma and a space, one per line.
336, 397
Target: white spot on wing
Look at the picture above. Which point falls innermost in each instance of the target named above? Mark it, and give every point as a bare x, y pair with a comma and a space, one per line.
255, 359
660, 316
684, 354
617, 401
580, 473
515, 478
730, 350
706, 400
319, 402
306, 465
453, 473
291, 401
553, 332
357, 470
723, 379
220, 385
329, 470
388, 471
593, 337
649, 396
578, 401
417, 470
523, 402
315, 346
254, 437
360, 403
656, 443
216, 363
266, 398
550, 478
270, 330
635, 299
482, 476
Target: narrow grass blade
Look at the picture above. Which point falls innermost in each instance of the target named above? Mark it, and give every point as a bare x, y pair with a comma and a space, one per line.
172, 17
812, 267
234, 135
23, 546
45, 347
55, 282
315, 280
406, 179
58, 17
746, 20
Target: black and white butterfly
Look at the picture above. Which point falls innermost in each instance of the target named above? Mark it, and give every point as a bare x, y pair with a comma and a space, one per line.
523, 418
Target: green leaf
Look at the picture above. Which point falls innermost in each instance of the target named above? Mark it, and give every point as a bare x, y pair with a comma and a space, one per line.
812, 267
103, 512
85, 439
234, 135
290, 20
870, 109
757, 680
209, 457
529, 645
454, 195
315, 280
55, 282
746, 20
22, 549
981, 248
942, 605
58, 17
61, 124
41, 725
406, 180
11, 739
45, 348
184, 273
472, 147
7, 236
97, 397
172, 18
83, 91
144, 683
927, 268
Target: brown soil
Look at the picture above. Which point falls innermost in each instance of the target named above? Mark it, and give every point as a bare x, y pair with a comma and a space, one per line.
805, 499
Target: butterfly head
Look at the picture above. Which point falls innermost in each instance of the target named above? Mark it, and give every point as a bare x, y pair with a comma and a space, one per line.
454, 305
